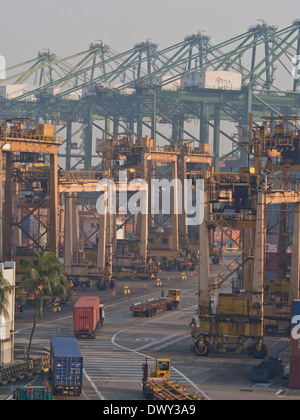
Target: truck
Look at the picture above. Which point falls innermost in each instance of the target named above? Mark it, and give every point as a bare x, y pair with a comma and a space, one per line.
33, 393
88, 317
151, 306
66, 366
157, 384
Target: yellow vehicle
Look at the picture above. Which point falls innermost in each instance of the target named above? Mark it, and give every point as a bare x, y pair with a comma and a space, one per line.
158, 386
163, 369
175, 295
154, 305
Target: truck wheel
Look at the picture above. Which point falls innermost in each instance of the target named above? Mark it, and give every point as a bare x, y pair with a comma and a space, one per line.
112, 284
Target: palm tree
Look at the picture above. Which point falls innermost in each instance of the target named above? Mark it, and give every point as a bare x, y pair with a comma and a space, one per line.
44, 276
5, 286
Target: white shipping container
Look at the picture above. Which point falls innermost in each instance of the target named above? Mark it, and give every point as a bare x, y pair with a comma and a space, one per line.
217, 80
13, 91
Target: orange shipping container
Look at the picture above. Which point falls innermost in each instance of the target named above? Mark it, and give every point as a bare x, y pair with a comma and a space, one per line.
294, 377
294, 348
86, 317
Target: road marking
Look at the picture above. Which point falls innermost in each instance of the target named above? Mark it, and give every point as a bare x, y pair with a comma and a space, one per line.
113, 340
93, 386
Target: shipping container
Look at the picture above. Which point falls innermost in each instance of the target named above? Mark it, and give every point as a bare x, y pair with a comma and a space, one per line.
14, 91
294, 348
45, 130
66, 366
86, 317
294, 374
294, 342
29, 393
216, 80
272, 260
295, 309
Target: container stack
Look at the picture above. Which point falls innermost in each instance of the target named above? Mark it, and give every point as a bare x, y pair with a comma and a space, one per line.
294, 375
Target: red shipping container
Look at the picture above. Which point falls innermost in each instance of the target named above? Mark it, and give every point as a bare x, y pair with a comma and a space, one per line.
294, 348
86, 317
294, 380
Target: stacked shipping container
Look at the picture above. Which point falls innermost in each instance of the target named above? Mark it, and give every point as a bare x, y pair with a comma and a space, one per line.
294, 381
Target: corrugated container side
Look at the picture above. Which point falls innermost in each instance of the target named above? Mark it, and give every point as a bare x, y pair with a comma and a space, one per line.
86, 314
296, 308
295, 343
294, 377
224, 80
294, 348
66, 362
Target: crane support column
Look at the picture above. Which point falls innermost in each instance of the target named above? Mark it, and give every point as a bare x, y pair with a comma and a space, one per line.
53, 219
204, 264
7, 219
259, 262
75, 216
174, 209
68, 241
217, 129
102, 242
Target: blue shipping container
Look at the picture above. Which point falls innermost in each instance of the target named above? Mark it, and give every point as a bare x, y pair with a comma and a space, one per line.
66, 366
296, 309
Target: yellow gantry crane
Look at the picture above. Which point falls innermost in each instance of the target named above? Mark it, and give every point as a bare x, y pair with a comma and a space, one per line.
238, 321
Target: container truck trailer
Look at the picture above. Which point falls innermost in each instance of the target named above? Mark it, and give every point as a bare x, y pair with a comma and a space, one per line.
151, 306
88, 317
66, 366
157, 384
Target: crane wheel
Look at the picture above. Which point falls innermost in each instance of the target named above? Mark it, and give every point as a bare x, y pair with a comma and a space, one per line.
201, 348
258, 353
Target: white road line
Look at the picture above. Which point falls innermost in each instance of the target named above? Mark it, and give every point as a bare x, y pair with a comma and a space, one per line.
93, 385
113, 340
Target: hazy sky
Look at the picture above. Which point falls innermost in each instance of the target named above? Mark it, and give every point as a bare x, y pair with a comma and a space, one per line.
69, 26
